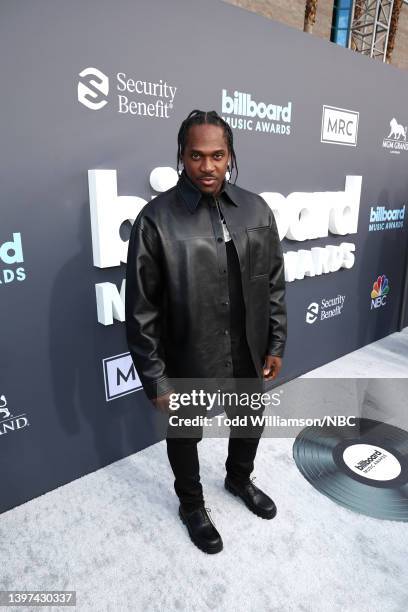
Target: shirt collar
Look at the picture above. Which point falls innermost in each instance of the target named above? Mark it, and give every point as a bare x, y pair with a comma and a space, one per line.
192, 195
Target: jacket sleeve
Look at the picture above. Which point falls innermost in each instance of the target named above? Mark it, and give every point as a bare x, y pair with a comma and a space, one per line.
143, 309
277, 309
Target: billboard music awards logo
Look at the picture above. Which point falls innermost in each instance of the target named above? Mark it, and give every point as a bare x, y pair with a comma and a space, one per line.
134, 97
244, 113
372, 462
9, 422
11, 254
299, 216
339, 126
383, 219
327, 309
396, 140
380, 290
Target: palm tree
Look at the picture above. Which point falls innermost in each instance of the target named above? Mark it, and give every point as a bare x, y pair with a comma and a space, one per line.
310, 15
396, 9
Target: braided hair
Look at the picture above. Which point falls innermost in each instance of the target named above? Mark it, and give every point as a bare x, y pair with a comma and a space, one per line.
199, 117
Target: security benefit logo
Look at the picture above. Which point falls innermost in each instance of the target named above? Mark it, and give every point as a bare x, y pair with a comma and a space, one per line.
9, 422
93, 88
242, 112
11, 256
339, 126
129, 95
120, 376
379, 292
396, 141
326, 309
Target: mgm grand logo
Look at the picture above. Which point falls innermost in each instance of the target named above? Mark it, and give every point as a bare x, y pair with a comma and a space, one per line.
396, 141
9, 422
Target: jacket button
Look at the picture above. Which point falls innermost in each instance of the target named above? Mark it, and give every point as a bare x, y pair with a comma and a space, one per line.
225, 303
226, 332
227, 364
224, 271
219, 239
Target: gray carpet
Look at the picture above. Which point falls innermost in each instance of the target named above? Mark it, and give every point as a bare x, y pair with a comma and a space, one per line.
114, 536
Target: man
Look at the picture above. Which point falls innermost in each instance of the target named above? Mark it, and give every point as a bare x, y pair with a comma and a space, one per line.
205, 299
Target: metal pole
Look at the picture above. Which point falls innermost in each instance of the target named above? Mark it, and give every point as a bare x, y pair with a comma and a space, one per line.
351, 23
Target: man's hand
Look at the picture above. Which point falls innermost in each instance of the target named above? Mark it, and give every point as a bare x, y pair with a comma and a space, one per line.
271, 367
162, 402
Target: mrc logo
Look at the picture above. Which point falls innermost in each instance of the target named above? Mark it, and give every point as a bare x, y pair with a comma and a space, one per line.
339, 126
380, 290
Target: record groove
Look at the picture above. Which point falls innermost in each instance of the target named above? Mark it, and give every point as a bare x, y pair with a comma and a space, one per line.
362, 467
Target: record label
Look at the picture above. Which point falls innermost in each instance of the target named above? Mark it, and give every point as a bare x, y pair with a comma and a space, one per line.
371, 461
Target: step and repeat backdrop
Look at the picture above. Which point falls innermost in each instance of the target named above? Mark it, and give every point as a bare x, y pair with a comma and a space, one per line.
93, 94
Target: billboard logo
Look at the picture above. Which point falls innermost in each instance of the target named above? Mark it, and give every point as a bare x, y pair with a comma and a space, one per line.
93, 89
299, 216
361, 465
120, 376
396, 140
8, 421
371, 462
383, 219
339, 126
379, 292
11, 253
328, 309
273, 117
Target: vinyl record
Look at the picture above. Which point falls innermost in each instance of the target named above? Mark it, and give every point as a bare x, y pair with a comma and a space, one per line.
362, 467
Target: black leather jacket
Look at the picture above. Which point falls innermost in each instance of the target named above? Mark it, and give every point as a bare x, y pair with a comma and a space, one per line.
177, 301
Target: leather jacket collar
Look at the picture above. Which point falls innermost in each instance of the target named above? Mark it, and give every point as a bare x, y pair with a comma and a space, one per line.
191, 195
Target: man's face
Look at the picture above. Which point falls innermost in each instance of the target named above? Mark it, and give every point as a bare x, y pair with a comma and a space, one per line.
206, 157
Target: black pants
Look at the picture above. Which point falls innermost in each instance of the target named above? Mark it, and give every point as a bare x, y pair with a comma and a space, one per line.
182, 452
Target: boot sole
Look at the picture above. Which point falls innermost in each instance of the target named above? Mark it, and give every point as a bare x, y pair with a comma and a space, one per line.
252, 508
210, 551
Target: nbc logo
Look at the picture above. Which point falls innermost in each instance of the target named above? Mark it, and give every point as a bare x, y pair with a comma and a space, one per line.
379, 292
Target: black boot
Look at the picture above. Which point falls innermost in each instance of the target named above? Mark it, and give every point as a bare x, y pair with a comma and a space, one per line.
255, 499
201, 529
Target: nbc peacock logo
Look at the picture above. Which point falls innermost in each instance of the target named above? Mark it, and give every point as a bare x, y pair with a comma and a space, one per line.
381, 289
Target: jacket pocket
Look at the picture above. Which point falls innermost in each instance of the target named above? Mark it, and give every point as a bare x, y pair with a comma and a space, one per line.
259, 250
